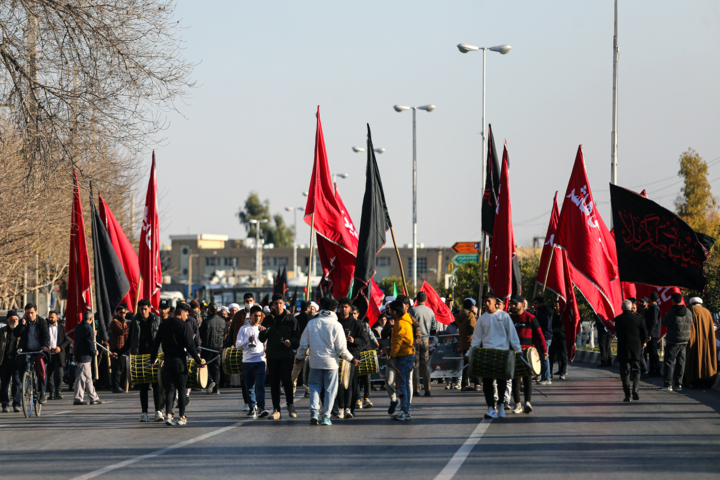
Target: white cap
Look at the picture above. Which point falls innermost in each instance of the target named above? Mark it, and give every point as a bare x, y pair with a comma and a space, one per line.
389, 299
315, 306
234, 305
696, 301
223, 309
472, 300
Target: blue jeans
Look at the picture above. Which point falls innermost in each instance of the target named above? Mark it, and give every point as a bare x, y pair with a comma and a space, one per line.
254, 376
319, 380
545, 371
405, 365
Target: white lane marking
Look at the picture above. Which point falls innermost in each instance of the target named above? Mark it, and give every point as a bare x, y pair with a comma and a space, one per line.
59, 413
458, 459
157, 453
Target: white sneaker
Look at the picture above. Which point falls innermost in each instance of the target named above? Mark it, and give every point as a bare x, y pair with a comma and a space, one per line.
491, 413
170, 421
181, 421
518, 409
246, 408
402, 416
528, 407
341, 414
501, 411
144, 417
348, 414
159, 416
457, 386
666, 389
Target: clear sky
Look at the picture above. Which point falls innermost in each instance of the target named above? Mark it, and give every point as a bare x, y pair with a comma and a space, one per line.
264, 67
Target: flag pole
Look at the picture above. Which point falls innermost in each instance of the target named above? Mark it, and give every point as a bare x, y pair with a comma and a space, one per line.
137, 295
482, 269
397, 252
310, 257
547, 271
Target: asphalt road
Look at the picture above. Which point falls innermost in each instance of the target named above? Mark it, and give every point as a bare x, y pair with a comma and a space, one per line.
582, 430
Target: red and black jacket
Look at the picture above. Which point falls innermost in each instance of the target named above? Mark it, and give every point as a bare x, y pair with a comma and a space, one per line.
529, 332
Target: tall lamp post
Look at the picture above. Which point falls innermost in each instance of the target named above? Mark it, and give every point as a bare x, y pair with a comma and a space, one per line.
427, 108
258, 251
341, 175
502, 49
295, 210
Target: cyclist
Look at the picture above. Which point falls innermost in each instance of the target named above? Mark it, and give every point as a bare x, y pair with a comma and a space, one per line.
34, 336
8, 367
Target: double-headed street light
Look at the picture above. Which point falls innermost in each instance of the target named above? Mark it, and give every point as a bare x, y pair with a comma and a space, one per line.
427, 108
362, 149
258, 250
295, 210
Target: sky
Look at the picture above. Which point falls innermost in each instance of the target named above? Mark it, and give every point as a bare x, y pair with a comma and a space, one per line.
264, 67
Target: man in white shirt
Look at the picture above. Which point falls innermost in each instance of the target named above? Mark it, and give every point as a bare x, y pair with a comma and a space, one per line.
495, 329
253, 363
324, 340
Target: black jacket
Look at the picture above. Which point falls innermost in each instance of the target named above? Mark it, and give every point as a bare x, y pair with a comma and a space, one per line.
278, 329
84, 349
545, 320
558, 328
9, 342
303, 319
631, 335
212, 333
133, 345
355, 329
62, 341
42, 330
652, 320
176, 339
678, 321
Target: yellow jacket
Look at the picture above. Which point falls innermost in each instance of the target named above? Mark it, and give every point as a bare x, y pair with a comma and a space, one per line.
401, 341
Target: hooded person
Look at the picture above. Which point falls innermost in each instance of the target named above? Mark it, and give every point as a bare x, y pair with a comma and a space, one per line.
701, 364
678, 321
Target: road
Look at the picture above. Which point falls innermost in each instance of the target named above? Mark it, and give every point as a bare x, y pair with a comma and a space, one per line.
582, 430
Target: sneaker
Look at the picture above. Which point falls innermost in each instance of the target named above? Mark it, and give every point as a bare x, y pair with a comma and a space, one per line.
528, 407
276, 415
392, 407
58, 396
43, 399
478, 388
667, 389
457, 386
246, 408
263, 413
501, 411
210, 387
325, 422
144, 417
545, 382
348, 414
562, 377
340, 414
159, 416
367, 403
76, 402
491, 413
468, 389
678, 388
291, 411
187, 400
402, 417
6, 409
626, 399
449, 386
16, 409
518, 409
169, 421
507, 407
181, 421
635, 396
97, 402
252, 413
314, 419
359, 404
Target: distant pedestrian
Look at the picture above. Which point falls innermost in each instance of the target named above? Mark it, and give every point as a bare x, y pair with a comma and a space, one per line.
402, 353
652, 323
428, 327
542, 314
631, 337
701, 365
558, 347
84, 351
678, 321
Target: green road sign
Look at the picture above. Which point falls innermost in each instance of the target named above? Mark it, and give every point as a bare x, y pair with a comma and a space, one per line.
461, 258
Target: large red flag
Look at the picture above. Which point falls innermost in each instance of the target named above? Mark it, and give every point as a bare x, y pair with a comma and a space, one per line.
434, 303
336, 234
502, 251
78, 290
149, 257
124, 250
374, 303
554, 274
590, 247
568, 305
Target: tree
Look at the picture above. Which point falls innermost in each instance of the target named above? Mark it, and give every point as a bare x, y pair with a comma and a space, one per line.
387, 283
696, 203
278, 233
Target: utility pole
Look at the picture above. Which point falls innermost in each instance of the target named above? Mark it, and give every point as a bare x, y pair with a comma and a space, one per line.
614, 148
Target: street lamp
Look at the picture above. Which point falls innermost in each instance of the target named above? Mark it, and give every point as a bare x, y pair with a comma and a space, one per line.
427, 108
258, 251
502, 49
295, 210
362, 149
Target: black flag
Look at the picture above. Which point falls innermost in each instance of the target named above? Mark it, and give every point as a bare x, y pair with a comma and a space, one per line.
111, 283
374, 223
492, 184
655, 246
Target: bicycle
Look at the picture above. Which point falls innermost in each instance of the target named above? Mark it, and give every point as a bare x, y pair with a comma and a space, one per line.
30, 387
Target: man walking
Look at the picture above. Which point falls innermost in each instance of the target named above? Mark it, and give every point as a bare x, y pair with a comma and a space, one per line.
631, 337
57, 349
542, 314
465, 320
323, 341
118, 338
303, 318
652, 323
212, 334
84, 351
9, 342
402, 354
678, 321
530, 334
357, 341
558, 347
701, 365
253, 363
604, 342
428, 326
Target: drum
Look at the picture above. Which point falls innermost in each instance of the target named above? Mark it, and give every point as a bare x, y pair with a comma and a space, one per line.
344, 374
197, 377
369, 364
532, 358
232, 360
492, 363
142, 372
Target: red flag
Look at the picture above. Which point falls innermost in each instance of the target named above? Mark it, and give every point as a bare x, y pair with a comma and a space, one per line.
502, 251
434, 303
78, 289
124, 250
568, 305
375, 302
149, 257
554, 275
590, 247
336, 234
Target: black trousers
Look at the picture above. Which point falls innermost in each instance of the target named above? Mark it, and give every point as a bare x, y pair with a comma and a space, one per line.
489, 390
465, 381
604, 341
213, 368
158, 399
558, 352
364, 383
629, 372
175, 374
9, 374
280, 370
653, 351
347, 397
674, 352
54, 375
118, 372
527, 389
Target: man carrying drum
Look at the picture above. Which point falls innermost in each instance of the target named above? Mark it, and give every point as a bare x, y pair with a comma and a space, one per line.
530, 334
494, 330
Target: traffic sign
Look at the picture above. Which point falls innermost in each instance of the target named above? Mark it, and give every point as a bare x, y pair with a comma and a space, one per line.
461, 258
451, 266
466, 247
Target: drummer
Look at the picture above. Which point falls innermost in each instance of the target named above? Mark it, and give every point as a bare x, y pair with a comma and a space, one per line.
494, 329
253, 362
530, 334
